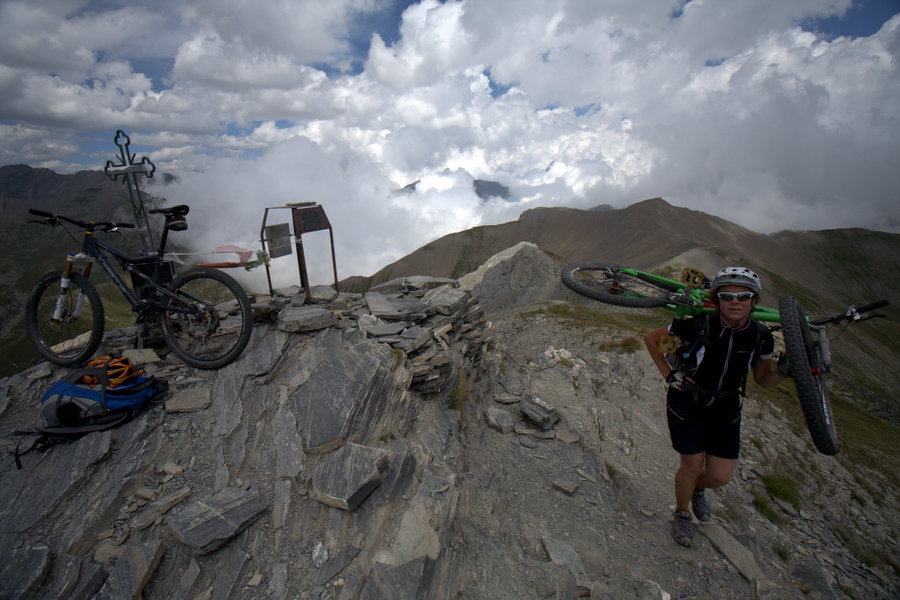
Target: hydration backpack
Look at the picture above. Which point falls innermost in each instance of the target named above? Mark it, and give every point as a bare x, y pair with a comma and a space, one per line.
86, 400
101, 396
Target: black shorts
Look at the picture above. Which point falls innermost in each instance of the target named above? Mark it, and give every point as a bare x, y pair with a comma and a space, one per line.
696, 426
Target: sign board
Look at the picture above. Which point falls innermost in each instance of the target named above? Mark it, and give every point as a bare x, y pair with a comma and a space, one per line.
278, 239
310, 219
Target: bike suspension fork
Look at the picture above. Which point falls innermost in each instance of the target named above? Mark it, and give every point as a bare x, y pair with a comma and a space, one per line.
65, 281
824, 348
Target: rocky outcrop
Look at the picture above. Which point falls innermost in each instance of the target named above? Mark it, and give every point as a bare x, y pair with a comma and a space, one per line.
399, 444
235, 463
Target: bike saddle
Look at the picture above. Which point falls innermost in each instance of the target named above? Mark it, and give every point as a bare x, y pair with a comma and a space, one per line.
173, 211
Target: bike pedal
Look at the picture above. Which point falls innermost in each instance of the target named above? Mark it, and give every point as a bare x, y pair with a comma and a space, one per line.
692, 278
668, 344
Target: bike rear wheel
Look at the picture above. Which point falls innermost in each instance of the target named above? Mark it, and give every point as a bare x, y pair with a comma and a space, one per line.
805, 358
607, 283
72, 339
210, 322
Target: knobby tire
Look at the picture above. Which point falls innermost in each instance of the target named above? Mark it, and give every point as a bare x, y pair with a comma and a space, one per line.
607, 283
71, 341
805, 361
219, 325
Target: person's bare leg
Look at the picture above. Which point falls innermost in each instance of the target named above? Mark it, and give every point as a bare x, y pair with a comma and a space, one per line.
715, 473
686, 478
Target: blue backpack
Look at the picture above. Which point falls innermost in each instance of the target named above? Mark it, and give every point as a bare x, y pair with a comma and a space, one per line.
72, 406
86, 401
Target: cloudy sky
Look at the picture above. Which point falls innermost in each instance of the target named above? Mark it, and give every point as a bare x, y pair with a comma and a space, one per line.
771, 114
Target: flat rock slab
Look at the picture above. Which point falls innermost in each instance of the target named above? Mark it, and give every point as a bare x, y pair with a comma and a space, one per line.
190, 400
376, 327
539, 411
734, 551
132, 571
561, 553
22, 571
412, 282
380, 306
210, 522
499, 419
408, 580
299, 319
347, 387
345, 477
28, 494
628, 588
447, 300
160, 507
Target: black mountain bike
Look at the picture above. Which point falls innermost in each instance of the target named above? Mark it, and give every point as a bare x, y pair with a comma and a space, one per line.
805, 340
204, 314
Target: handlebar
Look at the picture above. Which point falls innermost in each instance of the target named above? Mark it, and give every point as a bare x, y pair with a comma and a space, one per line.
53, 220
853, 313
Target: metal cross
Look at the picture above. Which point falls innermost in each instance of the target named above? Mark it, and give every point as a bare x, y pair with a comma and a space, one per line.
129, 170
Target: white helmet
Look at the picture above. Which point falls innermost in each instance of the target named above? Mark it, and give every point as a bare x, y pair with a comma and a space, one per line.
737, 276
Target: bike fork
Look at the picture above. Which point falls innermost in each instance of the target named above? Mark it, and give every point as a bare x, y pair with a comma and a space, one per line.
824, 348
64, 282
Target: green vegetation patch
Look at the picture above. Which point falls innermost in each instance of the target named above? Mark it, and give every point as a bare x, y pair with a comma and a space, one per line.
586, 316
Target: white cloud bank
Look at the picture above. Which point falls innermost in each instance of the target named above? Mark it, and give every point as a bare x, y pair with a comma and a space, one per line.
727, 107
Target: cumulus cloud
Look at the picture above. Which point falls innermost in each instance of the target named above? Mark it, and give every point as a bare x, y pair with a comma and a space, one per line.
728, 107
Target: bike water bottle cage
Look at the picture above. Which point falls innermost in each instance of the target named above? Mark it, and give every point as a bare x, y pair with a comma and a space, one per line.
737, 276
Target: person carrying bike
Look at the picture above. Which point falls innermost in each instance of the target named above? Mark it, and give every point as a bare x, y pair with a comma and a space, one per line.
706, 376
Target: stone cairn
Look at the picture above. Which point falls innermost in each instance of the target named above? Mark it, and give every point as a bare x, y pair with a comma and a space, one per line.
429, 319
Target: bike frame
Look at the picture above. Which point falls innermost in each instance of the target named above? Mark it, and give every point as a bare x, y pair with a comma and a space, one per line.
690, 299
94, 249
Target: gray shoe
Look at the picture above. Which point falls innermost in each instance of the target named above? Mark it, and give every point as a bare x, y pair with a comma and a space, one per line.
682, 528
701, 506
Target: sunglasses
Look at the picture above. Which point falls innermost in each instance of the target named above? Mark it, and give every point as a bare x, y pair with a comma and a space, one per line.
729, 296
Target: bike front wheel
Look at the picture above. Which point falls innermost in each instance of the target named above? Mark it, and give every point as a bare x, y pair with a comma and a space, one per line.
804, 356
609, 284
209, 322
67, 328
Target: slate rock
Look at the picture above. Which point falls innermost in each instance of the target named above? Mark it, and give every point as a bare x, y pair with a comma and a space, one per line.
160, 507
811, 574
628, 588
539, 411
191, 399
408, 580
734, 551
376, 327
499, 419
322, 294
345, 477
230, 577
28, 494
561, 553
299, 319
412, 282
447, 300
380, 306
132, 571
288, 445
336, 564
349, 388
207, 524
187, 581
23, 570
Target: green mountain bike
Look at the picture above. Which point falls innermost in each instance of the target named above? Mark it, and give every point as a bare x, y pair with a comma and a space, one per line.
805, 340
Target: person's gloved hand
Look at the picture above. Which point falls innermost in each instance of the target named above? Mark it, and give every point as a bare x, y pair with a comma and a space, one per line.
783, 365
677, 380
